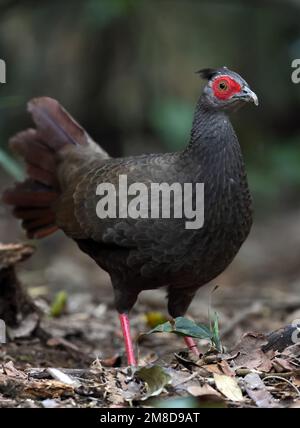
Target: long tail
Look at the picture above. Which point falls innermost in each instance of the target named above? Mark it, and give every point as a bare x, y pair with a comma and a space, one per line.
33, 199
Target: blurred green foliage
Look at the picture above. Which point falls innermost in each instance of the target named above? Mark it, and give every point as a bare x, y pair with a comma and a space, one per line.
172, 120
100, 13
125, 69
59, 304
10, 166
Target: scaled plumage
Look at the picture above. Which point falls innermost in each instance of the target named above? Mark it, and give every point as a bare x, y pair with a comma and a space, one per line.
65, 166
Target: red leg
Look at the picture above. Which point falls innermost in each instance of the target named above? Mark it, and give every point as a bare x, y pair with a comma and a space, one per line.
125, 325
191, 345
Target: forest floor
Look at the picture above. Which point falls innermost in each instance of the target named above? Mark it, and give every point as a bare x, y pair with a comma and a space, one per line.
76, 359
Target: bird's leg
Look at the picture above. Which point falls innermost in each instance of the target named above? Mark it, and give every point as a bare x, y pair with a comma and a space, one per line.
125, 325
178, 304
191, 344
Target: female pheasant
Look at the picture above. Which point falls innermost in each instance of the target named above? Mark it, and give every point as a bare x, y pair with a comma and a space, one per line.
65, 167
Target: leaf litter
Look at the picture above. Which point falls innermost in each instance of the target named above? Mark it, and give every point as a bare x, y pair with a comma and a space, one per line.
246, 376
260, 371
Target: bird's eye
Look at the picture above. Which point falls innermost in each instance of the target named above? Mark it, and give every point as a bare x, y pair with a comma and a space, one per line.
223, 86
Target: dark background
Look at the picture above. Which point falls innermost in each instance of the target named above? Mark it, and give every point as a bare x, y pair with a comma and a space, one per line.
126, 70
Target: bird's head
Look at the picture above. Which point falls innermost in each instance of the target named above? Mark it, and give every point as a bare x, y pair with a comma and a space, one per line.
225, 89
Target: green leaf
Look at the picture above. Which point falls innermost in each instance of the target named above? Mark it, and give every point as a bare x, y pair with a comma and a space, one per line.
187, 327
184, 327
59, 304
162, 328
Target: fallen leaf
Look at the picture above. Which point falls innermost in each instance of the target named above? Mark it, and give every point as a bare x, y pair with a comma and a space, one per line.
213, 368
250, 354
10, 370
226, 369
258, 392
62, 377
281, 364
229, 387
155, 378
205, 390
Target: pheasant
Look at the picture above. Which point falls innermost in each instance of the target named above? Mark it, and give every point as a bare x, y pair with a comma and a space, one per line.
65, 167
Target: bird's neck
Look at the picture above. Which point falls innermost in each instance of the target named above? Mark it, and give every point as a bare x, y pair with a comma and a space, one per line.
213, 143
211, 128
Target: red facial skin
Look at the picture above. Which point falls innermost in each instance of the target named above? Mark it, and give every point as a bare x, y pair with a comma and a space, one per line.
230, 88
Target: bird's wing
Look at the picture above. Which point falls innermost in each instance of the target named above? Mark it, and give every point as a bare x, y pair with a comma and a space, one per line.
145, 238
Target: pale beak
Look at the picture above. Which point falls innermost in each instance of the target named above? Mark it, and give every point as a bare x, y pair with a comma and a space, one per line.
248, 95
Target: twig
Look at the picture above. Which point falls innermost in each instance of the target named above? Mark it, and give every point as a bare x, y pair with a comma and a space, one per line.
244, 372
285, 380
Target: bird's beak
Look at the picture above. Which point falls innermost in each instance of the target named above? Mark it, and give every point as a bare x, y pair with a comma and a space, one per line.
247, 95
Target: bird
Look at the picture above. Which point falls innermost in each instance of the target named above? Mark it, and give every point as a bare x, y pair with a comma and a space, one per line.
65, 166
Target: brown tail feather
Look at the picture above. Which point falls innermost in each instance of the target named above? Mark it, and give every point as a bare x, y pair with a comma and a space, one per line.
42, 176
36, 223
55, 126
30, 213
33, 199
29, 194
28, 145
32, 204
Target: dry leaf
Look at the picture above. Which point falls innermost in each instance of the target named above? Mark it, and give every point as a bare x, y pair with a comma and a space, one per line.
205, 390
213, 368
226, 369
63, 377
281, 364
229, 387
250, 354
155, 378
10, 370
258, 392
